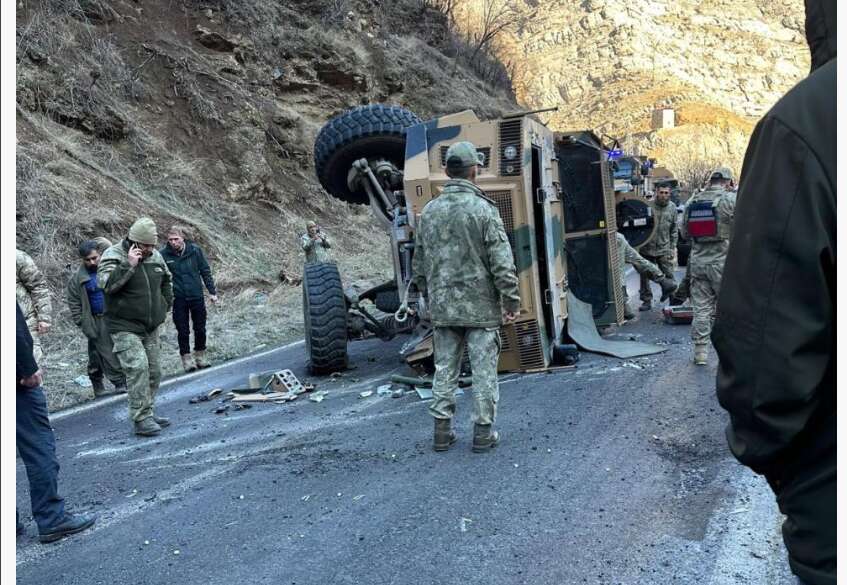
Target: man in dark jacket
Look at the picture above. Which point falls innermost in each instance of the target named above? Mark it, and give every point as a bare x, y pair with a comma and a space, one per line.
87, 305
190, 271
139, 295
775, 329
37, 446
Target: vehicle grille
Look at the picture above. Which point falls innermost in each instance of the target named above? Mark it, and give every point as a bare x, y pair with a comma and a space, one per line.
510, 135
503, 201
529, 345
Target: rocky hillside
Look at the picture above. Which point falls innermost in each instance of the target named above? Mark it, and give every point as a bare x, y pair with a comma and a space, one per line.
720, 63
204, 113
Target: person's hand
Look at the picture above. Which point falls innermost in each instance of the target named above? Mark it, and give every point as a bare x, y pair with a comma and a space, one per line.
214, 299
134, 255
42, 327
33, 381
509, 316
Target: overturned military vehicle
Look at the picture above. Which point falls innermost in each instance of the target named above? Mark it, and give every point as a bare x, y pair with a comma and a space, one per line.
553, 191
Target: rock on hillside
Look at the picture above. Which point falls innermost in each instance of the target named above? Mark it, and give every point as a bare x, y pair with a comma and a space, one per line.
605, 63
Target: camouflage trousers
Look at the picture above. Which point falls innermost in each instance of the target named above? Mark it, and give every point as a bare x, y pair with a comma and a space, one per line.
139, 359
101, 355
683, 291
705, 286
666, 266
484, 353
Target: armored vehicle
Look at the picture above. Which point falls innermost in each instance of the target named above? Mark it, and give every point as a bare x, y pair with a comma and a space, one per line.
553, 191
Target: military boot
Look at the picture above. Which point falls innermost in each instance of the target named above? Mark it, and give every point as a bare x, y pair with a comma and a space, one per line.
628, 313
200, 359
162, 421
444, 435
646, 306
120, 388
188, 362
701, 354
676, 301
98, 387
484, 438
147, 427
669, 287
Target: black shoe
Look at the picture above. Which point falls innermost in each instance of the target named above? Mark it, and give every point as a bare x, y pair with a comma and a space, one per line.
645, 306
69, 525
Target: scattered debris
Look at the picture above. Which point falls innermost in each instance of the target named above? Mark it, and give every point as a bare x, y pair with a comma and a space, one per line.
214, 392
682, 315
83, 381
286, 381
463, 524
423, 393
397, 393
257, 397
206, 397
384, 390
241, 406
306, 497
318, 396
176, 552
426, 382
359, 497
366, 394
632, 365
132, 493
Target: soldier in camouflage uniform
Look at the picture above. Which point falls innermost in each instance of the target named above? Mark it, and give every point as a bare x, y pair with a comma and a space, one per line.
139, 294
646, 270
34, 298
661, 248
708, 253
315, 244
463, 263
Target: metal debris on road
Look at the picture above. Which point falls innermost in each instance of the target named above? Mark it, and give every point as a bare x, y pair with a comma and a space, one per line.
83, 381
366, 394
359, 497
384, 390
318, 396
463, 524
423, 393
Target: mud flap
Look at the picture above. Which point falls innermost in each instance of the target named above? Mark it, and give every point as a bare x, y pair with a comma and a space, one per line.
583, 330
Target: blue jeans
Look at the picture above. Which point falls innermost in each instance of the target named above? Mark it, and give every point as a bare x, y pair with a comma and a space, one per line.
37, 448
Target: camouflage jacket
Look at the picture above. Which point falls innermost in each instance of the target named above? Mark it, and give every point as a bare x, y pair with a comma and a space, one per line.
663, 242
316, 250
711, 252
137, 298
463, 259
31, 290
629, 255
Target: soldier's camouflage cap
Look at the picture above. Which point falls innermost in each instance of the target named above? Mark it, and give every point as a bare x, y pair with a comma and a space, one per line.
722, 173
461, 155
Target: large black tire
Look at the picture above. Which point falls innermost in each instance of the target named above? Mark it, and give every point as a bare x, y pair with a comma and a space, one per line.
373, 131
324, 318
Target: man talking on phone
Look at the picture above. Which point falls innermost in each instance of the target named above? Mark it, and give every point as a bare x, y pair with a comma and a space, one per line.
138, 293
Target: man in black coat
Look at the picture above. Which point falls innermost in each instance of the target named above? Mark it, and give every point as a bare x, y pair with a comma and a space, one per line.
191, 272
37, 446
775, 328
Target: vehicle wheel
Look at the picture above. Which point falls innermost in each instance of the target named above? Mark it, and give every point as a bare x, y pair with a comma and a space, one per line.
373, 131
324, 318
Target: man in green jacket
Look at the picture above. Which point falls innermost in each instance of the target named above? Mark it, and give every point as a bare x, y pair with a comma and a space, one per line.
661, 248
190, 271
316, 244
464, 264
87, 305
139, 295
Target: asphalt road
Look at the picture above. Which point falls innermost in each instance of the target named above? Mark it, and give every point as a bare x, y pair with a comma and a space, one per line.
615, 472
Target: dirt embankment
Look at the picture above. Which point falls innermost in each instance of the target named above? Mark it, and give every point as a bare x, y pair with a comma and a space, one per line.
204, 114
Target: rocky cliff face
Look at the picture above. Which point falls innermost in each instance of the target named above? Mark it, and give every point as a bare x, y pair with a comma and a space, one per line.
720, 63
